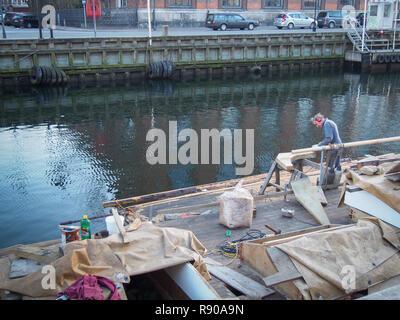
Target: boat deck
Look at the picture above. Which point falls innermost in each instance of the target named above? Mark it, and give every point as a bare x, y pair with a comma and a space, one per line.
212, 234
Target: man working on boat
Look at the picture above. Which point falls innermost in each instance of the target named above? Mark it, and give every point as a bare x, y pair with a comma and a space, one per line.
330, 136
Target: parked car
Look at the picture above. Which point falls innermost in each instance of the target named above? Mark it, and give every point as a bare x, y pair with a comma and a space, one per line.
294, 20
25, 20
8, 18
225, 21
331, 19
360, 18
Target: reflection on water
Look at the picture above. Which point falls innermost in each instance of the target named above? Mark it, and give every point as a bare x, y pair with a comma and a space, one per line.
63, 151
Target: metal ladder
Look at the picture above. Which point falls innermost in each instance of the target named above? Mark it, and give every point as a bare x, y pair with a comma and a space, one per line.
356, 38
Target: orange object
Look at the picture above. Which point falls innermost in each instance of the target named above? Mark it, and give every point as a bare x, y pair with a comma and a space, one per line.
69, 234
97, 8
186, 215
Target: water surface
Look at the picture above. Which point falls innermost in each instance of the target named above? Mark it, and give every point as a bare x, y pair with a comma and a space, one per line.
63, 151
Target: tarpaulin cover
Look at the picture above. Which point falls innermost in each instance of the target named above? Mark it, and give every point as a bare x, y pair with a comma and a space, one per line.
379, 186
149, 248
327, 261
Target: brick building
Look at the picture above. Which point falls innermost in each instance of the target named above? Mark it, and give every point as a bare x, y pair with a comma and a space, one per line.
184, 13
247, 5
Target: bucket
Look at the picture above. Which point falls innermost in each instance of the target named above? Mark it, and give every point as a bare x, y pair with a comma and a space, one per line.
112, 226
69, 234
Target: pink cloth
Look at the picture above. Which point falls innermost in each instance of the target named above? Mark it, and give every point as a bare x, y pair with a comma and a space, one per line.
88, 288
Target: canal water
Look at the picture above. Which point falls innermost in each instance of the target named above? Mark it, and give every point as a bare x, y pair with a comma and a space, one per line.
64, 151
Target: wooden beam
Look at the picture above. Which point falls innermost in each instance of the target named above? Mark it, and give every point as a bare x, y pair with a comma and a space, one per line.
182, 191
347, 145
236, 280
280, 277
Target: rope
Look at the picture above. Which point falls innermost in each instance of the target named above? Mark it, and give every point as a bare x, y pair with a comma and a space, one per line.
231, 248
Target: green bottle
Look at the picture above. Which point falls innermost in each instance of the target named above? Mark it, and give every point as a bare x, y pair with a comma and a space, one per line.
85, 228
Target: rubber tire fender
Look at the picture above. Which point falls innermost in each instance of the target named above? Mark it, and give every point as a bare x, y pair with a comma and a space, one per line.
393, 58
149, 71
44, 75
398, 58
48, 75
53, 80
64, 76
152, 71
59, 76
380, 58
165, 69
170, 69
387, 58
35, 75
160, 69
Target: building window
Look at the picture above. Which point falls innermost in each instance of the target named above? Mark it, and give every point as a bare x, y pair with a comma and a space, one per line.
343, 3
231, 3
273, 4
373, 11
386, 10
311, 4
121, 3
179, 3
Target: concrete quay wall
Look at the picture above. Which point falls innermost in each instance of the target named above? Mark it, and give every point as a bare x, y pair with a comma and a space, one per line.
105, 59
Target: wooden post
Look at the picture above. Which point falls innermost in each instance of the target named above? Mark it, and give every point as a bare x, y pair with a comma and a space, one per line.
277, 177
268, 178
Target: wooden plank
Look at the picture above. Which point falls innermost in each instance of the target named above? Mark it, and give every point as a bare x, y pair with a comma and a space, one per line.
43, 255
323, 200
283, 159
119, 225
308, 196
394, 169
188, 209
183, 191
394, 281
286, 159
281, 277
286, 269
22, 267
240, 282
391, 293
393, 176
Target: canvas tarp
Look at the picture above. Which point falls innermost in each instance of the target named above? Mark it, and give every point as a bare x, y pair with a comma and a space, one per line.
150, 248
379, 186
327, 261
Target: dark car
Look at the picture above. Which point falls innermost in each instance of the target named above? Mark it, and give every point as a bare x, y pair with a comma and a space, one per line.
25, 20
360, 18
9, 17
225, 21
331, 19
